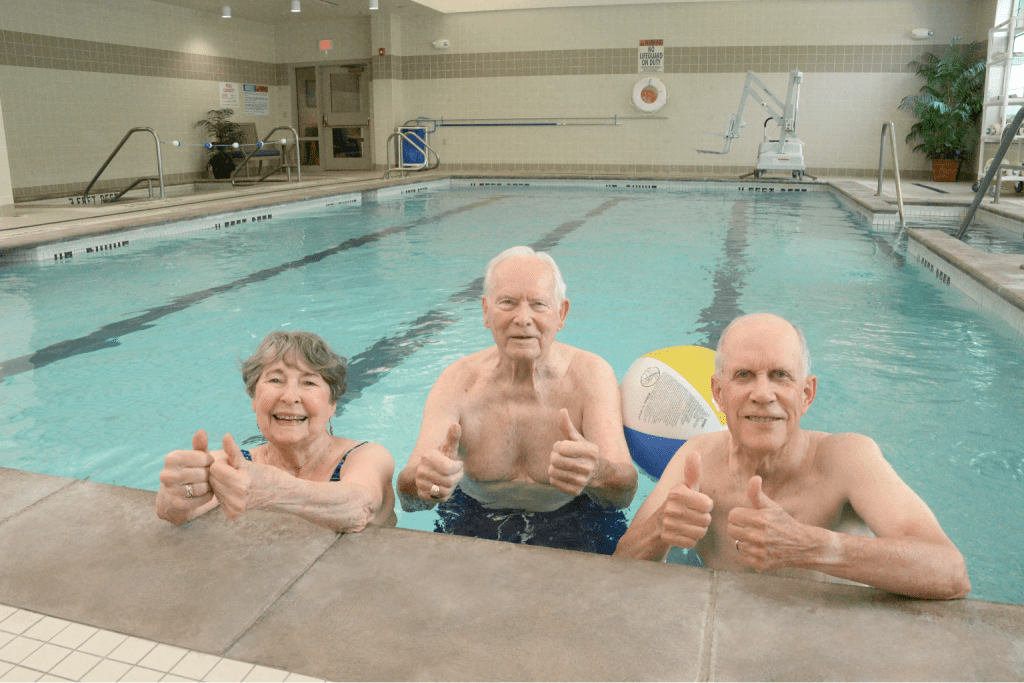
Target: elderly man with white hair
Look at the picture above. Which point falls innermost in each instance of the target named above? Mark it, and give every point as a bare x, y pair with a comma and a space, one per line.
523, 441
768, 495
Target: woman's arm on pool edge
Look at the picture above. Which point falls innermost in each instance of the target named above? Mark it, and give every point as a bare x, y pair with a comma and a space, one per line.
363, 496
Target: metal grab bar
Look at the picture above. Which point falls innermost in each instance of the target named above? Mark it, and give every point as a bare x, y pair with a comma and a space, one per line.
159, 162
415, 142
896, 169
997, 162
250, 155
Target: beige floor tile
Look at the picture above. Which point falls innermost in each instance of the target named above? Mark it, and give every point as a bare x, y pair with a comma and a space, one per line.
132, 650
172, 677
7, 666
75, 665
51, 677
6, 638
141, 674
195, 665
228, 670
263, 674
163, 657
102, 643
19, 622
19, 673
6, 611
299, 678
46, 628
18, 649
107, 670
46, 657
74, 635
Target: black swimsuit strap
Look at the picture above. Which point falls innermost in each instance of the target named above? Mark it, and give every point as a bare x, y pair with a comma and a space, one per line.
337, 471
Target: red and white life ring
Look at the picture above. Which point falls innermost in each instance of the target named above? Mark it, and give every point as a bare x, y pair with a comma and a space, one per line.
649, 95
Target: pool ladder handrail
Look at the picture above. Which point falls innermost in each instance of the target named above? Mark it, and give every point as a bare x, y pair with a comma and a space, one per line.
997, 165
415, 142
159, 166
896, 170
281, 166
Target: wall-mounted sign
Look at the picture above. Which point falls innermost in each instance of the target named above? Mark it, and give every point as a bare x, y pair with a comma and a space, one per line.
652, 56
229, 96
257, 99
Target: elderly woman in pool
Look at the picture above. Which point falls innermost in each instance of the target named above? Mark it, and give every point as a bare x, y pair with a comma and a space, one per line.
295, 382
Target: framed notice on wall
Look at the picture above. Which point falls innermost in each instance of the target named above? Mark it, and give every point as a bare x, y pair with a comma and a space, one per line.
256, 99
652, 56
229, 96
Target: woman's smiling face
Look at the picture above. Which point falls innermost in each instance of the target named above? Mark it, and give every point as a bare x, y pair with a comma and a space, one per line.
292, 402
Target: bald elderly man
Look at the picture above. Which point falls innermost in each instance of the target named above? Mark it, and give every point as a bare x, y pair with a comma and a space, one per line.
767, 495
523, 441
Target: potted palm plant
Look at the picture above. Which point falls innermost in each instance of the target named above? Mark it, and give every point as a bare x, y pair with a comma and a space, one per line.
948, 107
223, 131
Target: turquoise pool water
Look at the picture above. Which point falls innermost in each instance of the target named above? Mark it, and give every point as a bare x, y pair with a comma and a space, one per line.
111, 360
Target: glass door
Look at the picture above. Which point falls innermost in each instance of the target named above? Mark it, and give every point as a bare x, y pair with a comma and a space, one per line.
345, 129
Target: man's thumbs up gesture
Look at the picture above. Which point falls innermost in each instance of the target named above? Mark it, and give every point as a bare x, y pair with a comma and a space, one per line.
765, 536
686, 512
574, 461
440, 470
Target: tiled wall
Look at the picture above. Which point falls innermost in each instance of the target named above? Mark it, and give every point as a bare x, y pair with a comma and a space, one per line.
563, 63
76, 74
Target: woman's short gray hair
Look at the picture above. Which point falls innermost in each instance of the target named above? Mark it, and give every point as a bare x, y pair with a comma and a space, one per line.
805, 354
309, 347
522, 251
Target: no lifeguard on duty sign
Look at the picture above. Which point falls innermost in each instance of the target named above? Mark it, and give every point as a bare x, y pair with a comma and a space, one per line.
652, 56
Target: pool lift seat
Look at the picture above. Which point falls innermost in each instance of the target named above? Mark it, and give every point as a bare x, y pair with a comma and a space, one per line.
784, 153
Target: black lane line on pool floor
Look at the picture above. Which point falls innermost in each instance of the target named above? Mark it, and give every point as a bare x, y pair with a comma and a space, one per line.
108, 335
724, 306
369, 367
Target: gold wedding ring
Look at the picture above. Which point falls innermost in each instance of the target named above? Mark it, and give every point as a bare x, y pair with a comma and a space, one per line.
189, 491
435, 491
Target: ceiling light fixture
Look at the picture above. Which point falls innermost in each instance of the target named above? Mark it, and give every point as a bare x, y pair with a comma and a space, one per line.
373, 4
225, 12
295, 6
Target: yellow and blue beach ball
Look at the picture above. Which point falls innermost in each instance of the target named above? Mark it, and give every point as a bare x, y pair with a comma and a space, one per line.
666, 400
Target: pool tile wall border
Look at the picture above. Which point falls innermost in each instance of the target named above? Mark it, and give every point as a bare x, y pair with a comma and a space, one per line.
994, 281
215, 221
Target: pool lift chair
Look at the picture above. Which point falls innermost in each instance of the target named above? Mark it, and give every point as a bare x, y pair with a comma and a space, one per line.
786, 153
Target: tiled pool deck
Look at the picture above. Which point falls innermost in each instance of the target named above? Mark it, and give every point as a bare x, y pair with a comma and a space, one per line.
94, 587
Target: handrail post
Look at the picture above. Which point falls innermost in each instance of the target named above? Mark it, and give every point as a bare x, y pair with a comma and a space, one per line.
896, 169
159, 160
1008, 134
881, 160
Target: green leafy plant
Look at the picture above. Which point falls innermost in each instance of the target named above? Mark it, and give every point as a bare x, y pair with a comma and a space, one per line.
950, 103
222, 131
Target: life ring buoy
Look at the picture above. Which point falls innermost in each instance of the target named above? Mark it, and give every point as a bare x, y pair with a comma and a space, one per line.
666, 400
649, 95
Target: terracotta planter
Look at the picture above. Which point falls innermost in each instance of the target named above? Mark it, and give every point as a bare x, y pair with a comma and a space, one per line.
944, 170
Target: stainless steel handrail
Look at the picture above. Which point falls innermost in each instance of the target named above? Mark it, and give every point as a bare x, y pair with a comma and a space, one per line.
993, 169
415, 142
250, 155
159, 161
895, 166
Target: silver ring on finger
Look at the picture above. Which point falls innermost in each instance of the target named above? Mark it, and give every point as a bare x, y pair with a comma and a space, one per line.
189, 491
737, 546
435, 491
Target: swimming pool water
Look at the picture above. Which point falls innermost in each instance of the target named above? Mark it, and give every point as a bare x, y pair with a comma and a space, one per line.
134, 350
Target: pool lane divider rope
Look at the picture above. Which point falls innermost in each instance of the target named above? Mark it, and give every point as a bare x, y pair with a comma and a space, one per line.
108, 335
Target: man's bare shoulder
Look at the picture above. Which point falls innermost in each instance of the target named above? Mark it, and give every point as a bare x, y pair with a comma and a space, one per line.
584, 365
465, 370
843, 445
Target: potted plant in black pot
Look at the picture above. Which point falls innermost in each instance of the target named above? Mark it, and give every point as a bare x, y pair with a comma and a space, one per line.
949, 106
223, 131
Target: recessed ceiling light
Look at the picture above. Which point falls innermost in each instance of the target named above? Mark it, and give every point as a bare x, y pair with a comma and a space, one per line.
225, 12
295, 6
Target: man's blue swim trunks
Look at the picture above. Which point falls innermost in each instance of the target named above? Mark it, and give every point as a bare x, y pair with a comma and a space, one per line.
581, 524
